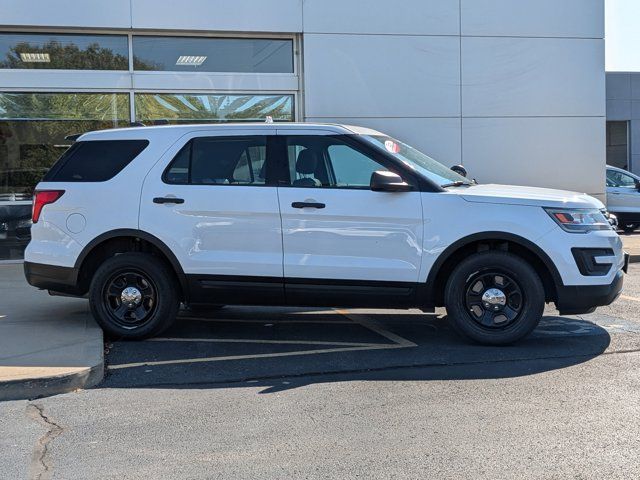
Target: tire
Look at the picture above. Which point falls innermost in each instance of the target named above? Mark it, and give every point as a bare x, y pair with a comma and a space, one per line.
629, 227
153, 301
484, 318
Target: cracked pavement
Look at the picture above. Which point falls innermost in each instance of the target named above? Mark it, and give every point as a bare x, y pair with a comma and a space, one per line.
303, 393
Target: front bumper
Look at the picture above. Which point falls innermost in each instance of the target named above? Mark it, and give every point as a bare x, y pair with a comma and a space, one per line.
579, 299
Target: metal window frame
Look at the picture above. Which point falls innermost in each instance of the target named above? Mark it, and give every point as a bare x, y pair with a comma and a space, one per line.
124, 81
130, 33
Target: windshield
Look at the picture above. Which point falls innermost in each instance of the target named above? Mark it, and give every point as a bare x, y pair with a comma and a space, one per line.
417, 160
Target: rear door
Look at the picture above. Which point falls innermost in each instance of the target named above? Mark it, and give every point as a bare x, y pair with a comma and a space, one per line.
211, 201
343, 243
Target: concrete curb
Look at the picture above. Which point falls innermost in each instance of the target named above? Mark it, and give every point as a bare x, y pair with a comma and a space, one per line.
45, 386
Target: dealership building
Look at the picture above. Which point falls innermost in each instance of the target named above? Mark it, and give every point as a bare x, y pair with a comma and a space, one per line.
512, 89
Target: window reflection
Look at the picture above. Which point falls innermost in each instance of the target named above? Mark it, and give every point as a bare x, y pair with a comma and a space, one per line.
203, 108
33, 127
63, 51
193, 54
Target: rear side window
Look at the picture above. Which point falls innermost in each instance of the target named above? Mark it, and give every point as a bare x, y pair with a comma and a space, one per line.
220, 161
95, 161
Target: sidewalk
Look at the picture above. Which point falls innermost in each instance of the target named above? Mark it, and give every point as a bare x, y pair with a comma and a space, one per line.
632, 245
48, 345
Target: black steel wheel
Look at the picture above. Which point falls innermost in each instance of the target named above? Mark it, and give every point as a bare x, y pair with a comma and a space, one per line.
494, 298
134, 296
130, 298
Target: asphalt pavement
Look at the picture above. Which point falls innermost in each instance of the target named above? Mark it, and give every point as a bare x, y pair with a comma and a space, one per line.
313, 393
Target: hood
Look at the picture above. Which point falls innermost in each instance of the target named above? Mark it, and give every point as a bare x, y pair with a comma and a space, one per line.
519, 195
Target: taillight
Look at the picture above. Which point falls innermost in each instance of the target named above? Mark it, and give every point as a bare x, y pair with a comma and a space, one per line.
42, 198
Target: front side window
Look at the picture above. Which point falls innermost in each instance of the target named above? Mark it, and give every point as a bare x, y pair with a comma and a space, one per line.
220, 161
416, 160
325, 161
63, 51
619, 179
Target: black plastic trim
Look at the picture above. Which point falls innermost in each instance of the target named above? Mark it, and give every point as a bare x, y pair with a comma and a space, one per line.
429, 293
627, 217
229, 289
580, 299
585, 260
52, 277
127, 232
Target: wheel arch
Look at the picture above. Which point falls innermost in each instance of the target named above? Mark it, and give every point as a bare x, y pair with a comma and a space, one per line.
94, 252
505, 241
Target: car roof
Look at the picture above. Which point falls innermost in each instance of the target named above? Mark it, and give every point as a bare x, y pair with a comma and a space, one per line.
621, 170
179, 130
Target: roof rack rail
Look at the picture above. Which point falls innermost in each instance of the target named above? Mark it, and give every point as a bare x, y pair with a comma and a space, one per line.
74, 136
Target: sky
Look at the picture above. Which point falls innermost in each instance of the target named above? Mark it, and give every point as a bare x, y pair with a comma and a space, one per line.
622, 34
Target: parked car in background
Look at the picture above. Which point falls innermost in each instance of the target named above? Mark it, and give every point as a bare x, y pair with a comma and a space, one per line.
143, 219
623, 197
15, 224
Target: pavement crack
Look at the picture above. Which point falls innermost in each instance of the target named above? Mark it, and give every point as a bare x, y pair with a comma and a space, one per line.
41, 465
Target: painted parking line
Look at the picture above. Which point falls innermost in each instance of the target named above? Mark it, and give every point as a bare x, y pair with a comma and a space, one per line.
627, 297
270, 342
398, 342
374, 326
250, 357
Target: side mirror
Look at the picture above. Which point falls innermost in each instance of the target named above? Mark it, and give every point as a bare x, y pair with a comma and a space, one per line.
460, 170
383, 181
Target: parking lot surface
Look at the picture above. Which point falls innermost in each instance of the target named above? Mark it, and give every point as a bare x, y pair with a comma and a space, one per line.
247, 392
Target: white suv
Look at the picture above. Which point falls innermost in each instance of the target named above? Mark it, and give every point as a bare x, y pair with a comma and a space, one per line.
143, 219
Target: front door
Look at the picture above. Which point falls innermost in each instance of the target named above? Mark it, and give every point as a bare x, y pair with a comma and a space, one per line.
344, 243
210, 202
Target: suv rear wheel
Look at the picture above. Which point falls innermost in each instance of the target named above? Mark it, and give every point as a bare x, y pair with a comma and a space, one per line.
494, 298
134, 296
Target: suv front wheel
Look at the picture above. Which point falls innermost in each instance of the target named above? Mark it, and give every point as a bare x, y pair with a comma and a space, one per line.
494, 298
134, 296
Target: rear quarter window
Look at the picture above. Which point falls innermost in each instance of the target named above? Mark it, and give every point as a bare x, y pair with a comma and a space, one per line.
95, 161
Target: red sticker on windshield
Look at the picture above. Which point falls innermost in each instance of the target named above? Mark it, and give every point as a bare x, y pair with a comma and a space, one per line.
392, 146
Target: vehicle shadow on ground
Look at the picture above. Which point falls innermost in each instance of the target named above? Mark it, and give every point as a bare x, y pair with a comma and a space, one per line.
280, 349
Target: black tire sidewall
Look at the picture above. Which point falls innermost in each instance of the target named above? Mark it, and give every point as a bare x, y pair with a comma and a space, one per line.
167, 301
521, 272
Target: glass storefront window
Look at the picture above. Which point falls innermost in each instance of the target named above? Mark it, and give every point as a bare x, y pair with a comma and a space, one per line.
197, 54
618, 144
64, 51
32, 131
207, 108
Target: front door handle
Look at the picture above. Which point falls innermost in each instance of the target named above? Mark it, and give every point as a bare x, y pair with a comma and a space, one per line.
308, 205
168, 200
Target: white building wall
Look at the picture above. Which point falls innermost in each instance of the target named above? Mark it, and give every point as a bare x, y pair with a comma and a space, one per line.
390, 68
534, 82
513, 89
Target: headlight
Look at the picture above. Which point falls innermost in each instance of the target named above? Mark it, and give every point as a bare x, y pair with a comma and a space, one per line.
574, 220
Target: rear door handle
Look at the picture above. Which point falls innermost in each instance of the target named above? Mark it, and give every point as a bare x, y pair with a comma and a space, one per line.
168, 200
308, 205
